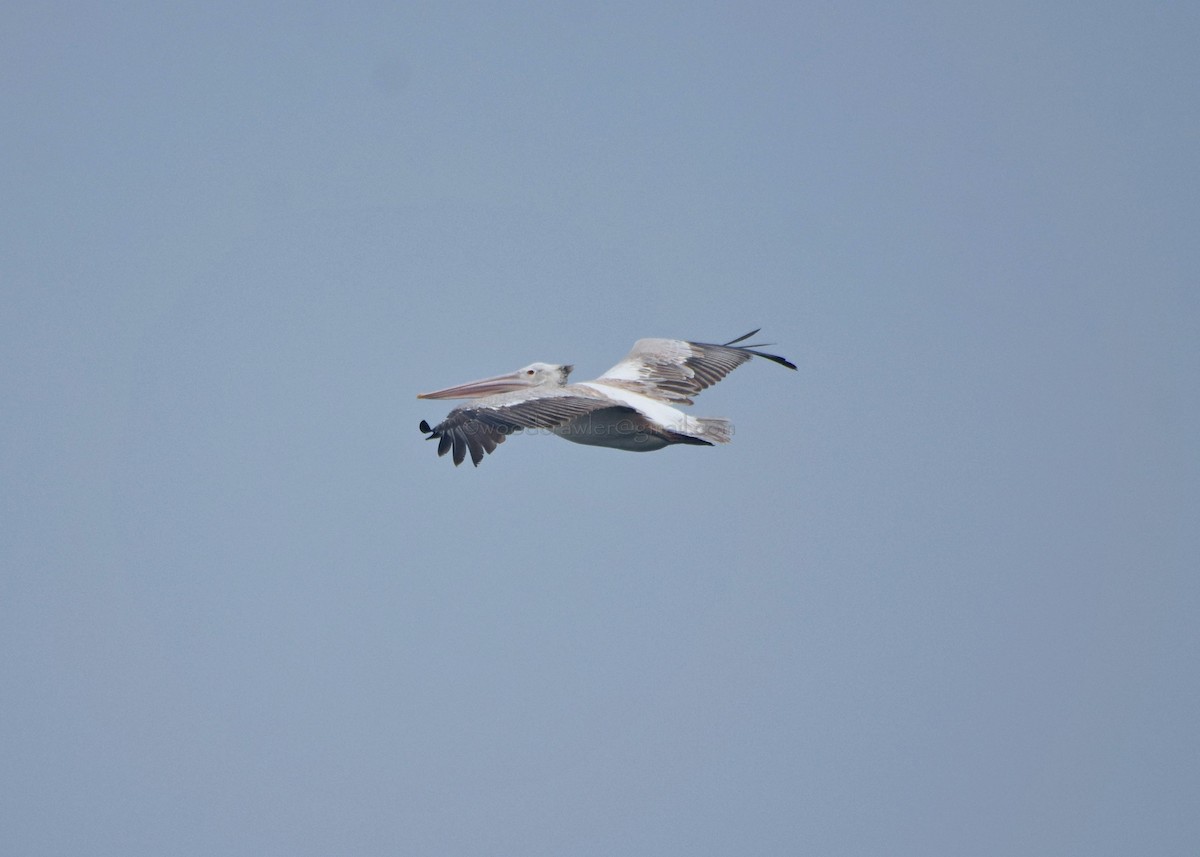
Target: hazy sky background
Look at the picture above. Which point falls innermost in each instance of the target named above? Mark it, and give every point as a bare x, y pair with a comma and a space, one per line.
940, 595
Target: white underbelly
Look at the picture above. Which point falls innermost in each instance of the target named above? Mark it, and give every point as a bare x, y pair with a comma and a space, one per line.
614, 427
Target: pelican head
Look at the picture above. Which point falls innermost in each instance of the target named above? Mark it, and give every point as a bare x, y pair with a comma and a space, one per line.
533, 375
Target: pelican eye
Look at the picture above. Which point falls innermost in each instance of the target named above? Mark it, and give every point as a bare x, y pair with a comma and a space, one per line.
528, 371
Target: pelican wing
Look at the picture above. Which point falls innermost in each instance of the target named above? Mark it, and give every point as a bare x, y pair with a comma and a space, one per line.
483, 425
672, 370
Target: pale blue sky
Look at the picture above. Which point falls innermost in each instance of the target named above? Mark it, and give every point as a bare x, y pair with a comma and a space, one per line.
938, 597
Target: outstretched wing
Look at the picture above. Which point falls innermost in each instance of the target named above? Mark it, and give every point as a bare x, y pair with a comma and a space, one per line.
672, 370
483, 425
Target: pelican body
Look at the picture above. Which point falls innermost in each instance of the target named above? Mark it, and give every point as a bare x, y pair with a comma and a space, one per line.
632, 406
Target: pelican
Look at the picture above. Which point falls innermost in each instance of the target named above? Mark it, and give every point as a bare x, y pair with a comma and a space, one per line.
630, 407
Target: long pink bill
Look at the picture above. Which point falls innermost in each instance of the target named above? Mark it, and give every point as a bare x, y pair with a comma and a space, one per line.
478, 389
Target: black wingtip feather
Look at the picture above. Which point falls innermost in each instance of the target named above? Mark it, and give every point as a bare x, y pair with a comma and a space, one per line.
782, 361
744, 337
424, 426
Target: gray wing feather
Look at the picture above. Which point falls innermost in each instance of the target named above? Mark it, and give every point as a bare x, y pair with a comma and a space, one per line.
478, 428
674, 370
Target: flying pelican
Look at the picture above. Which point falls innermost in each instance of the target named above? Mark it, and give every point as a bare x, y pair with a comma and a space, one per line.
629, 407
